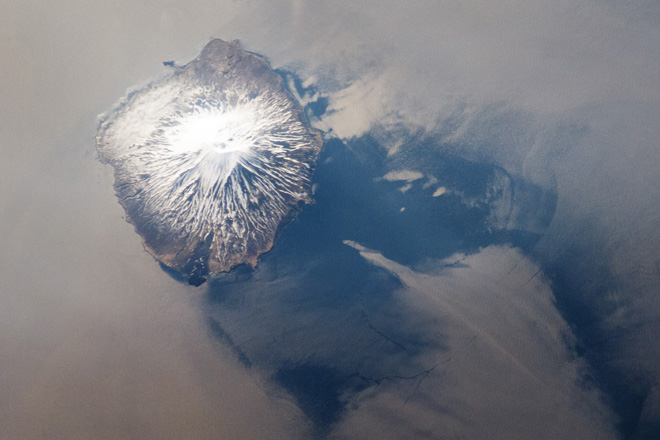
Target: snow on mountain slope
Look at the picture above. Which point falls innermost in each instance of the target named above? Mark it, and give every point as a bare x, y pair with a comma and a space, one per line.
210, 161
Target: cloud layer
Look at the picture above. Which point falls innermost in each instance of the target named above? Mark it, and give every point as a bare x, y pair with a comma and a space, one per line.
560, 93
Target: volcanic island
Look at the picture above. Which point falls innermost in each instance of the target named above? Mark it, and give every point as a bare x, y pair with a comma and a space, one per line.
211, 161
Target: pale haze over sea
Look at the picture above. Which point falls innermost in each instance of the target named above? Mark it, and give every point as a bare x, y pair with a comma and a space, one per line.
481, 260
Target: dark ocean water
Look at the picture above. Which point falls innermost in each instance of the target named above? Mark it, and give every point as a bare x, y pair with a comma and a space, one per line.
321, 323
319, 320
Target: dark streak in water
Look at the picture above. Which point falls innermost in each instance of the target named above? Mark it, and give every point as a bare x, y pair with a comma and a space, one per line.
226, 338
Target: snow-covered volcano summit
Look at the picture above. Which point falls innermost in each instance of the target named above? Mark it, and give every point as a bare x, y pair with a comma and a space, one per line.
211, 161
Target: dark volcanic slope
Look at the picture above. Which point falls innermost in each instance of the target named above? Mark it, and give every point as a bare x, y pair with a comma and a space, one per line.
210, 161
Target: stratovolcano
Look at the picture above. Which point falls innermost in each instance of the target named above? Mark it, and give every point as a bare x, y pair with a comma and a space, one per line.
210, 161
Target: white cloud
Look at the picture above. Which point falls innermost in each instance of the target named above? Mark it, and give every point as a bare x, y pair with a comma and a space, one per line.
416, 61
439, 191
403, 175
505, 357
